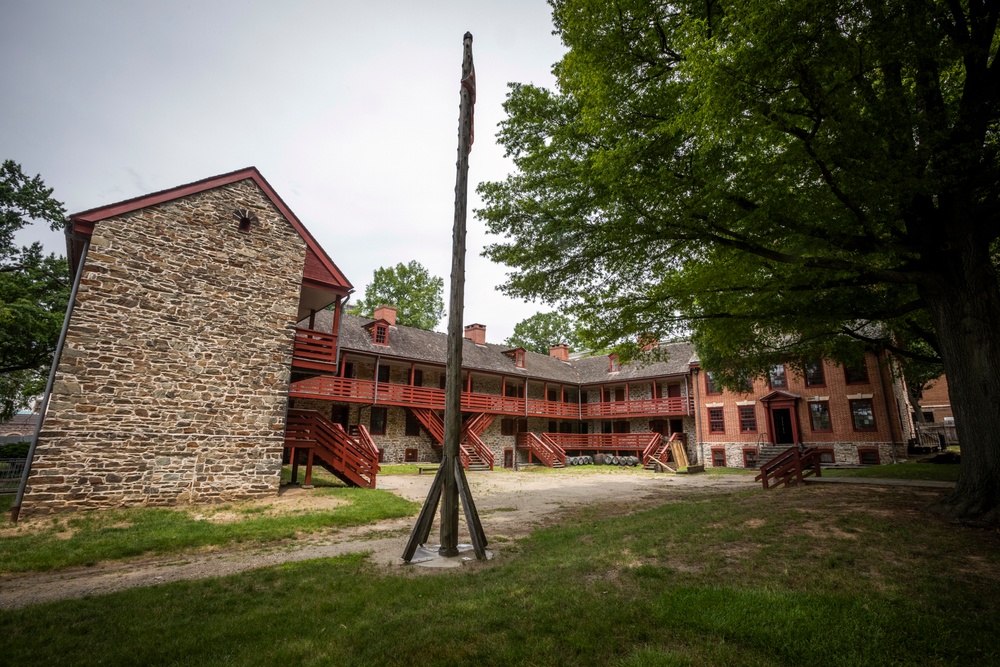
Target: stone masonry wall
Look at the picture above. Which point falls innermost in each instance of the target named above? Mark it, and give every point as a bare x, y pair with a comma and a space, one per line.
173, 382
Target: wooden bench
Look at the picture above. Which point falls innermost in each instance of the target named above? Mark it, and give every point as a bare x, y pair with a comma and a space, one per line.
421, 469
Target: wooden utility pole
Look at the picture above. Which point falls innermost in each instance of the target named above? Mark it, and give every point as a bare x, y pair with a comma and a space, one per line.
450, 480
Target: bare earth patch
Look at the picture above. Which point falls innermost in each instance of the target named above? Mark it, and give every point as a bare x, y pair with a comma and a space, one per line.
511, 505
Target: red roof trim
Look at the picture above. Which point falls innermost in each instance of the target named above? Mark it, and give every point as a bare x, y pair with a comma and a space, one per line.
83, 222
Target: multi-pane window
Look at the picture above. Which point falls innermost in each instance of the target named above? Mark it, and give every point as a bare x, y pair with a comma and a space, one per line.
718, 457
814, 374
819, 416
776, 376
863, 414
378, 420
710, 386
868, 456
716, 423
519, 358
381, 334
856, 373
748, 419
613, 364
750, 457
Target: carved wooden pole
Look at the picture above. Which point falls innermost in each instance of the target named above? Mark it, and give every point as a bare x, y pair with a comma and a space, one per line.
450, 484
453, 381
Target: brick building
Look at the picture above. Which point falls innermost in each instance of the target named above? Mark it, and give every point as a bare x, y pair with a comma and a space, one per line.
200, 355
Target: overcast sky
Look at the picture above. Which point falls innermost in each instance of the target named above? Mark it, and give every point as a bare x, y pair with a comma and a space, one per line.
349, 109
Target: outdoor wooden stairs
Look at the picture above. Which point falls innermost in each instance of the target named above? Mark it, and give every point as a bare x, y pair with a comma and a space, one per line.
669, 453
475, 455
545, 450
353, 460
790, 467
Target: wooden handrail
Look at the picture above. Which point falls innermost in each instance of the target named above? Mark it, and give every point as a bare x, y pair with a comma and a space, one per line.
355, 459
537, 448
789, 466
557, 452
484, 453
354, 390
315, 346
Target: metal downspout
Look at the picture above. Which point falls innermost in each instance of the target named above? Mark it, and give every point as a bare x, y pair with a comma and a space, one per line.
343, 309
16, 509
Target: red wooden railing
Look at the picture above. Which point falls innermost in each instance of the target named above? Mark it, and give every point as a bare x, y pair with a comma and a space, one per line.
353, 460
314, 347
649, 406
554, 447
792, 465
484, 453
326, 387
636, 442
655, 448
540, 449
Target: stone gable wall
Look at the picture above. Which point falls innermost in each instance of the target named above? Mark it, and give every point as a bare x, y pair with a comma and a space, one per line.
173, 382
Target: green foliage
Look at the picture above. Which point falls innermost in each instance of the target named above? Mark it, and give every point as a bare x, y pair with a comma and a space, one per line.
34, 289
14, 450
772, 178
542, 330
416, 294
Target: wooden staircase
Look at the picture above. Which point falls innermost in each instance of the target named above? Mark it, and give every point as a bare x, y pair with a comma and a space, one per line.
789, 467
668, 453
475, 455
353, 460
545, 450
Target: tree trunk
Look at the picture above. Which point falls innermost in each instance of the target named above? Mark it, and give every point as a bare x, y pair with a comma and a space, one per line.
965, 306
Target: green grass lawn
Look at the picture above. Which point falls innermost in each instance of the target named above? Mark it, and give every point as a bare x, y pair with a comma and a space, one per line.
85, 538
806, 576
945, 472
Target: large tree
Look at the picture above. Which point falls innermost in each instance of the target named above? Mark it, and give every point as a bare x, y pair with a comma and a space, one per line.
34, 289
780, 179
542, 330
411, 289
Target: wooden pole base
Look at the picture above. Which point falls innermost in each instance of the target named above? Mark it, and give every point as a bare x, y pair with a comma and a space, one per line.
425, 520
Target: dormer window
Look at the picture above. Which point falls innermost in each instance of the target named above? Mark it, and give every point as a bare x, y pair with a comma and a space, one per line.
379, 331
518, 355
613, 364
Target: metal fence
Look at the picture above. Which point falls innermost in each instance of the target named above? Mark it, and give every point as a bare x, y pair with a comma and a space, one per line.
10, 474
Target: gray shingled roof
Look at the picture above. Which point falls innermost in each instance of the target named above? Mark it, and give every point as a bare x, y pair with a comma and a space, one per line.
431, 347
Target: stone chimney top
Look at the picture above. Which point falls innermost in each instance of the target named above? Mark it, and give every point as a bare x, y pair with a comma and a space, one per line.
560, 351
387, 313
476, 333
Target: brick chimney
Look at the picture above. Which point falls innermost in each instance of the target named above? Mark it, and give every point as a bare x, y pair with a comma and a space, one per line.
648, 342
560, 351
387, 313
476, 333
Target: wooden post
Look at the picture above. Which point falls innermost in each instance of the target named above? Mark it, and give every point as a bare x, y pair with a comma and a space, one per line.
450, 482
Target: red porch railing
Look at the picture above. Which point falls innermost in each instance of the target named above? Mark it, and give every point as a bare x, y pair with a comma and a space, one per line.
327, 387
636, 442
314, 349
649, 406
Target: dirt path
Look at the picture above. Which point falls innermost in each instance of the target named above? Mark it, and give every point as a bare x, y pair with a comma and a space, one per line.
510, 505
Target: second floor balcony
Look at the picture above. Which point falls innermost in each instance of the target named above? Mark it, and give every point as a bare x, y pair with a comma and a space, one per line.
353, 390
